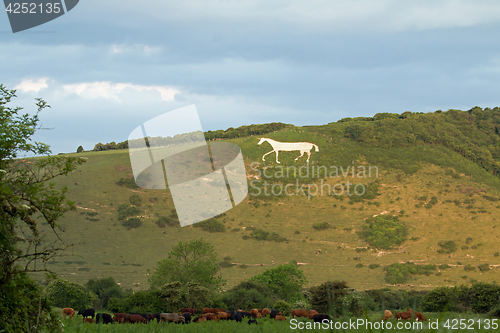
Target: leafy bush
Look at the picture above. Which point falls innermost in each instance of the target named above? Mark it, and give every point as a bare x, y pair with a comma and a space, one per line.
484, 267
373, 266
127, 182
321, 226
384, 231
135, 200
469, 268
447, 247
283, 306
211, 225
441, 298
133, 222
226, 264
444, 266
126, 210
68, 294
286, 281
260, 234
401, 273
248, 295
359, 265
484, 297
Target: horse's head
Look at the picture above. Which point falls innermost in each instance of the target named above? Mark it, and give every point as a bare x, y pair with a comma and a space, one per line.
261, 141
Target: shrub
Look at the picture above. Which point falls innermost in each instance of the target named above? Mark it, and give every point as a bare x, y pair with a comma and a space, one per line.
401, 273
441, 298
133, 222
260, 234
384, 231
447, 246
127, 182
484, 267
496, 254
321, 226
226, 264
484, 297
283, 306
373, 266
211, 225
135, 200
126, 210
359, 265
170, 221
469, 268
444, 266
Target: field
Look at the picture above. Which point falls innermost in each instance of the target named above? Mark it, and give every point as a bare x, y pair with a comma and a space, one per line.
466, 211
445, 322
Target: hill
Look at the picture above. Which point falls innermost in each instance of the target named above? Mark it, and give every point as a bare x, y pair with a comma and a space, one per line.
431, 179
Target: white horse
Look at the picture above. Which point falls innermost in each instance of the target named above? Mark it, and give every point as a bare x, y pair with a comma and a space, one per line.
304, 147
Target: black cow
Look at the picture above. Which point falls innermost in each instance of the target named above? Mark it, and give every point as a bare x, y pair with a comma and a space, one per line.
87, 313
238, 316
273, 313
157, 317
187, 317
252, 321
318, 318
106, 318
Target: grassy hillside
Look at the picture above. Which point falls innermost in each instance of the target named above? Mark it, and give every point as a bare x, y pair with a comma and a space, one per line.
436, 172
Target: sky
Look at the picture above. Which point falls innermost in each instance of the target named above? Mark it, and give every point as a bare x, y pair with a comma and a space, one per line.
107, 67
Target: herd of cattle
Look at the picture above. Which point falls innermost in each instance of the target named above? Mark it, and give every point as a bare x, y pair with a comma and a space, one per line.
208, 314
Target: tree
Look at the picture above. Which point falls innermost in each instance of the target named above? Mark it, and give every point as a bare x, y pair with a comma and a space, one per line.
285, 281
26, 193
248, 295
105, 289
80, 149
194, 261
68, 294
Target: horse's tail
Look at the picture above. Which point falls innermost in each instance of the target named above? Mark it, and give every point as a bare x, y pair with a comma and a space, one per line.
317, 149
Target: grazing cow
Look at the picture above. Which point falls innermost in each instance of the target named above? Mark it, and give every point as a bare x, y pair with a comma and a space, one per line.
252, 321
241, 314
190, 310
279, 318
254, 312
273, 313
200, 319
87, 313
106, 318
172, 318
133, 319
311, 313
68, 312
187, 317
223, 315
387, 315
265, 312
404, 315
210, 316
299, 313
318, 318
88, 320
419, 316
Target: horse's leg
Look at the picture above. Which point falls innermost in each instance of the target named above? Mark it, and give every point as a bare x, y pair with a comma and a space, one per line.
277, 156
308, 155
267, 154
301, 154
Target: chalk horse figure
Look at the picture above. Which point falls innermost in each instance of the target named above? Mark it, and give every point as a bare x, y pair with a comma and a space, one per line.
304, 147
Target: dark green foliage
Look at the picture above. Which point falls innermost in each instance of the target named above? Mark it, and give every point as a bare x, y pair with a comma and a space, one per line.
127, 182
135, 200
133, 222
469, 268
334, 297
80, 149
110, 146
321, 226
172, 220
260, 234
244, 131
105, 289
484, 267
282, 306
383, 231
285, 281
360, 265
401, 273
490, 198
468, 240
444, 266
441, 298
142, 301
126, 210
226, 264
382, 299
24, 307
68, 294
373, 266
248, 295
484, 297
211, 225
447, 247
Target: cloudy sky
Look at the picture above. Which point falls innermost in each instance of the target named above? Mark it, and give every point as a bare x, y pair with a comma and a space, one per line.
106, 67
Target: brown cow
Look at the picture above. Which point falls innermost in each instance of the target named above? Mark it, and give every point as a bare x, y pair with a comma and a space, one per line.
387, 315
312, 313
132, 318
280, 318
254, 312
222, 315
404, 315
265, 312
68, 312
199, 319
190, 310
419, 316
299, 313
88, 320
